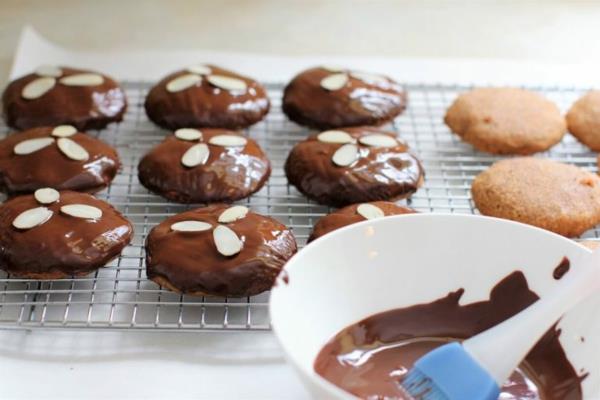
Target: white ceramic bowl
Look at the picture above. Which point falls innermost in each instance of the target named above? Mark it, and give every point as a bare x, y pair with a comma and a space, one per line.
395, 262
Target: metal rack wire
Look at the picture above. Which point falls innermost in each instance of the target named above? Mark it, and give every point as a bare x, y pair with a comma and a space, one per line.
120, 297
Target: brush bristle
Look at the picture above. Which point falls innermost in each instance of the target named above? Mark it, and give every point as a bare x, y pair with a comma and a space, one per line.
420, 387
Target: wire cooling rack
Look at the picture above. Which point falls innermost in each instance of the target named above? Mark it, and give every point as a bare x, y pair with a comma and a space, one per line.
120, 297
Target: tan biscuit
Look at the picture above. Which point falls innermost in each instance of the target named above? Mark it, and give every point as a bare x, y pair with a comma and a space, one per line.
506, 120
561, 198
583, 120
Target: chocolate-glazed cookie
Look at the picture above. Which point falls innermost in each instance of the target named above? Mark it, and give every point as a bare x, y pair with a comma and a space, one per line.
356, 213
206, 96
331, 98
58, 157
53, 235
218, 250
353, 165
212, 165
60, 95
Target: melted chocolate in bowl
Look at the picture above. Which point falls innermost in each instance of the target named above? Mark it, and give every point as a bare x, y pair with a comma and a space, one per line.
370, 358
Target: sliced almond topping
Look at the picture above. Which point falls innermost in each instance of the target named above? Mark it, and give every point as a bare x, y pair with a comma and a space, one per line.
369, 211
183, 82
64, 131
199, 69
51, 71
226, 240
228, 141
46, 195
82, 211
227, 83
233, 214
188, 134
87, 79
333, 68
72, 150
335, 137
369, 78
334, 82
378, 140
32, 145
345, 155
191, 226
31, 218
195, 155
37, 88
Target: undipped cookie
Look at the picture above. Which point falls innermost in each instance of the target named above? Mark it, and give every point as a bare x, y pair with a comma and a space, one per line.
583, 120
506, 120
559, 197
53, 96
218, 250
356, 213
329, 97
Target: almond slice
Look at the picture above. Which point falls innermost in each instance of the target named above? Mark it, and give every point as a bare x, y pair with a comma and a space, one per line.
183, 82
31, 218
51, 71
226, 240
82, 211
32, 145
86, 79
228, 141
335, 137
190, 226
189, 134
228, 83
378, 140
72, 150
64, 131
199, 69
46, 195
345, 155
233, 214
37, 88
333, 68
195, 155
369, 78
334, 82
369, 211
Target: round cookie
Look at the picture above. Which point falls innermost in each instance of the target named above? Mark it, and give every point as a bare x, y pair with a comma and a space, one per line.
54, 235
218, 251
558, 197
506, 121
58, 157
356, 213
583, 120
353, 165
326, 98
206, 96
212, 165
53, 96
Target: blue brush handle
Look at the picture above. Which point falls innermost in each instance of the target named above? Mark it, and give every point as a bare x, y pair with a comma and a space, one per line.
501, 348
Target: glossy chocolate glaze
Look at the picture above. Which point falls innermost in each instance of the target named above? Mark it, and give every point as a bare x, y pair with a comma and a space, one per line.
389, 344
348, 216
357, 103
84, 107
49, 167
63, 246
381, 173
189, 262
230, 173
205, 105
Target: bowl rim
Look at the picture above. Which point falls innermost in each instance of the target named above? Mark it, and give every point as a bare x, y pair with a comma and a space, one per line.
309, 372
